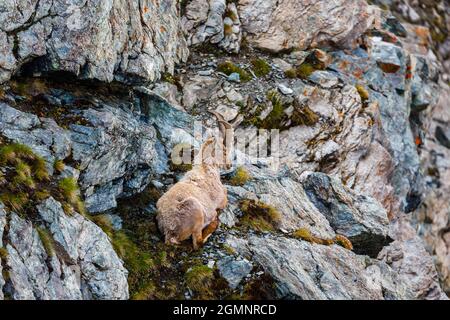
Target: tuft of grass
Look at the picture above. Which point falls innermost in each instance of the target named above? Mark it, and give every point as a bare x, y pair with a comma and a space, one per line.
229, 67
11, 153
59, 166
275, 118
229, 250
303, 115
69, 188
240, 177
259, 215
41, 194
14, 201
305, 70
227, 30
40, 170
47, 241
343, 242
104, 223
306, 235
147, 290
137, 262
291, 73
261, 67
200, 279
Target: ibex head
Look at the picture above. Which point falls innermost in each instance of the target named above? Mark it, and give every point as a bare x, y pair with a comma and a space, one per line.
217, 151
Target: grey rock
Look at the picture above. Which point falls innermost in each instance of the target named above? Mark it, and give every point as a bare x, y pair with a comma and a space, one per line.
2, 222
30, 277
361, 219
2, 226
325, 79
285, 90
269, 23
306, 271
137, 43
234, 77
116, 151
234, 270
414, 266
204, 22
102, 273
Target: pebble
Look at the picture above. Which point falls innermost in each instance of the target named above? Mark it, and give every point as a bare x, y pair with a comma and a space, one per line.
234, 77
285, 90
205, 72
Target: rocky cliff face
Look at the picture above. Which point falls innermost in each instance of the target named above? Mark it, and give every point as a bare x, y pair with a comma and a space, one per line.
358, 208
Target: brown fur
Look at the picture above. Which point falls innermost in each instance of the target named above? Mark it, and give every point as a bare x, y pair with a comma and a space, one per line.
189, 208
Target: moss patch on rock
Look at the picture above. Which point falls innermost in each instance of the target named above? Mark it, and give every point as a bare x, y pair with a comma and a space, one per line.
261, 67
228, 67
240, 177
259, 215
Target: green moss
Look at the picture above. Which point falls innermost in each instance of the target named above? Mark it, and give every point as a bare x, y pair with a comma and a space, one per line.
229, 250
364, 94
260, 67
3, 253
167, 77
229, 67
47, 241
306, 235
305, 70
147, 291
200, 280
343, 242
240, 177
137, 261
291, 73
259, 215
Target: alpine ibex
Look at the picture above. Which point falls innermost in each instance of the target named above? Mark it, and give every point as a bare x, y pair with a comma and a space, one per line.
189, 208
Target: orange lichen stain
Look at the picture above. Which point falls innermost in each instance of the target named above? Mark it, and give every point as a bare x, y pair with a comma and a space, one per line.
344, 65
418, 141
423, 33
162, 29
358, 73
146, 10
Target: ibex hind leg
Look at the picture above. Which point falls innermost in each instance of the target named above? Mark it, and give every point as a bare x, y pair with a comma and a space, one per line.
208, 231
